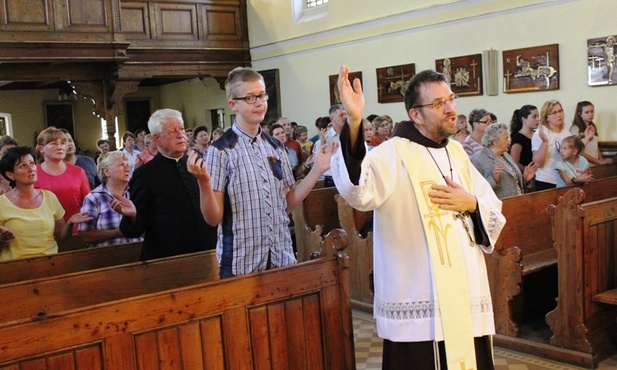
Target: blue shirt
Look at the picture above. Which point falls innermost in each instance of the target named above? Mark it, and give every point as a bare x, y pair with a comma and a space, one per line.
252, 171
570, 169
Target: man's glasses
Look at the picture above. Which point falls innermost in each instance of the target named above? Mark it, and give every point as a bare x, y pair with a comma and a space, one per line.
438, 103
486, 122
252, 99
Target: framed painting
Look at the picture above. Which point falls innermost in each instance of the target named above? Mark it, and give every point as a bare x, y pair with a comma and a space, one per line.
137, 112
531, 69
601, 61
333, 79
6, 126
60, 115
390, 82
465, 73
271, 78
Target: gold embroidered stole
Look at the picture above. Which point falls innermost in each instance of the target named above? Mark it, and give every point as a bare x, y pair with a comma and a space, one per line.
446, 258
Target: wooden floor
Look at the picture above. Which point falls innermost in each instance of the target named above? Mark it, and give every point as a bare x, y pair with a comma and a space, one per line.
368, 349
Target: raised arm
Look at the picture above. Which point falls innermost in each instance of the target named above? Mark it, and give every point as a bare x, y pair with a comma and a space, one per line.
210, 201
352, 99
323, 156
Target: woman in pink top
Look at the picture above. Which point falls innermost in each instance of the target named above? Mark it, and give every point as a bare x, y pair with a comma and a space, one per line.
68, 182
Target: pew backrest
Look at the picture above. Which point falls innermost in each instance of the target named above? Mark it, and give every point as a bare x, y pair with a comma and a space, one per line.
36, 299
67, 262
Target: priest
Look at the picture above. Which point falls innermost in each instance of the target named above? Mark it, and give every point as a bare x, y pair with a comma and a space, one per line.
434, 217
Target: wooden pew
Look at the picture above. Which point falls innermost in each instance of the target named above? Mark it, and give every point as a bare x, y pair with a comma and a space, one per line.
360, 253
297, 317
313, 219
525, 246
585, 235
67, 262
600, 172
40, 298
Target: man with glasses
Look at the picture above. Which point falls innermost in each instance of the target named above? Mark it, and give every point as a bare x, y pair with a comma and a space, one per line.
479, 119
247, 186
434, 217
165, 197
337, 118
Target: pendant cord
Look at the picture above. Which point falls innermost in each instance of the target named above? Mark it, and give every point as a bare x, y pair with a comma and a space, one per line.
457, 215
439, 168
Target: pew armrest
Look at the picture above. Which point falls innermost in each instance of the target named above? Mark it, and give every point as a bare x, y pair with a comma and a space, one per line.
608, 297
537, 261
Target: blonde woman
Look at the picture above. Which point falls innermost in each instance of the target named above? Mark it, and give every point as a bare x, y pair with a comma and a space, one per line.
545, 144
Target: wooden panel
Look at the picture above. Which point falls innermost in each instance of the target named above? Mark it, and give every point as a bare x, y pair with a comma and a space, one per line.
39, 364
89, 358
147, 355
27, 15
169, 349
296, 333
87, 14
86, 358
64, 361
237, 341
313, 332
278, 339
212, 339
260, 339
191, 347
222, 23
176, 21
135, 20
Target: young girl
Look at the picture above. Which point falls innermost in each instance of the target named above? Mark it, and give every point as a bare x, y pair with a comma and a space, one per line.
573, 168
583, 126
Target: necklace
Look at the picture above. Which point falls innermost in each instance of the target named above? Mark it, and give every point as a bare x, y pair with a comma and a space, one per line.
457, 215
439, 168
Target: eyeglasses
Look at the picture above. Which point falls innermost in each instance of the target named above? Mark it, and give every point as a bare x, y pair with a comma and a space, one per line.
486, 122
556, 112
438, 103
252, 99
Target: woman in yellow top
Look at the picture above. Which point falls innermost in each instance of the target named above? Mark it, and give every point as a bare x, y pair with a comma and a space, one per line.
31, 220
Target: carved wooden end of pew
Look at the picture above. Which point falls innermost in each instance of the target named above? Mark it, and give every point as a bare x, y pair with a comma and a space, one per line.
585, 234
505, 274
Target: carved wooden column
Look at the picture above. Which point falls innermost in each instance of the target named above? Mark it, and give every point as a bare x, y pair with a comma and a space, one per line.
105, 95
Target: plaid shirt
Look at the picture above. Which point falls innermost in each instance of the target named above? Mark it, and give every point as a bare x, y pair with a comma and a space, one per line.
103, 216
252, 172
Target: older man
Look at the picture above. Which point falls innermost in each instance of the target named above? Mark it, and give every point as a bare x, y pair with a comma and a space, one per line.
166, 196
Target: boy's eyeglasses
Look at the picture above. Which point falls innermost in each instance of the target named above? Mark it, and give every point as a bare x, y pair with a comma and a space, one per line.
252, 99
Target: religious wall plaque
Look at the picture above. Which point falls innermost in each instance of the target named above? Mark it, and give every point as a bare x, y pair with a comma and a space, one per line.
465, 73
601, 61
531, 69
390, 82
